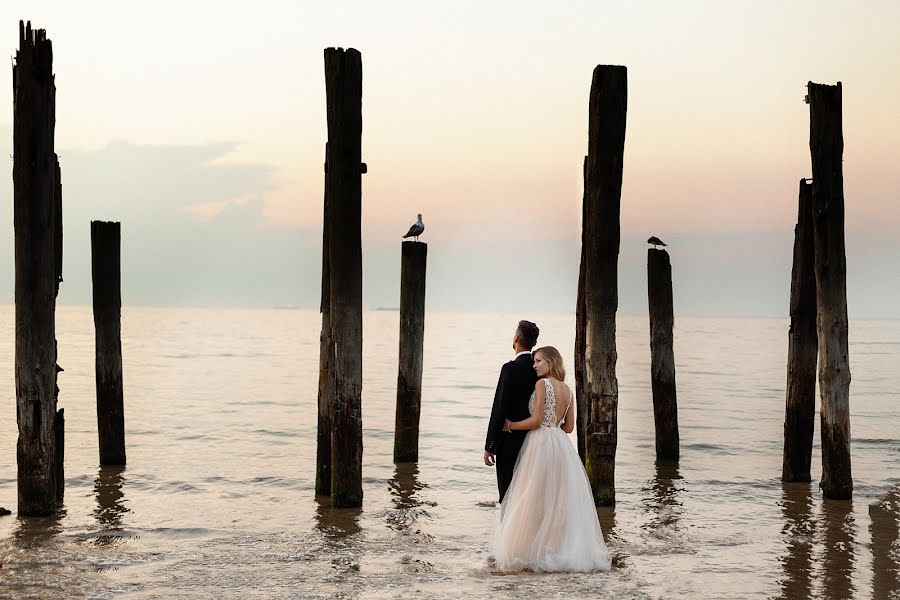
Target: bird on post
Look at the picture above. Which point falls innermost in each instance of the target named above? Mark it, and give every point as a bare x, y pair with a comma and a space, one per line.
656, 242
417, 228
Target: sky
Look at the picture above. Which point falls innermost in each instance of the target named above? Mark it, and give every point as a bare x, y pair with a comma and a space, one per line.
201, 127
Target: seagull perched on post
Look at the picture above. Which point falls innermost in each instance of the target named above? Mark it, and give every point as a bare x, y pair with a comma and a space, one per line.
417, 228
656, 242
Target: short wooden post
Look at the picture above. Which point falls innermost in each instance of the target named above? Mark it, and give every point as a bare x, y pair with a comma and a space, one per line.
800, 395
412, 337
826, 144
106, 276
662, 355
606, 146
581, 403
37, 201
343, 92
326, 360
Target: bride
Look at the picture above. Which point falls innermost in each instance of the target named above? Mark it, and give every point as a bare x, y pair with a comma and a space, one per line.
548, 521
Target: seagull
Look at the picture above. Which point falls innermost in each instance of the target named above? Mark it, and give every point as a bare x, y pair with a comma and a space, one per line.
417, 228
656, 242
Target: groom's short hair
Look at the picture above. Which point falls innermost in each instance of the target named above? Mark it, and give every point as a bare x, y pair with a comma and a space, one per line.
528, 334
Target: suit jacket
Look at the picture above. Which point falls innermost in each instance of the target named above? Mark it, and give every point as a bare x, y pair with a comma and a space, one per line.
517, 380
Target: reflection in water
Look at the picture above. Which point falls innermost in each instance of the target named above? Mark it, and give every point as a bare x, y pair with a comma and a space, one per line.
33, 532
884, 528
110, 498
660, 496
839, 541
796, 507
408, 503
607, 516
336, 523
405, 485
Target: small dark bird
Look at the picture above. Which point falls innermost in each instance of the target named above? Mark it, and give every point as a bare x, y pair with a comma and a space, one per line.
417, 228
656, 242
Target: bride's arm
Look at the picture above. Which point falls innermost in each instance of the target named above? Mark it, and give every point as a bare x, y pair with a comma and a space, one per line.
534, 421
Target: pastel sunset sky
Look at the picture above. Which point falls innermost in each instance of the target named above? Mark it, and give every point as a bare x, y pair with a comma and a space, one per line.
201, 126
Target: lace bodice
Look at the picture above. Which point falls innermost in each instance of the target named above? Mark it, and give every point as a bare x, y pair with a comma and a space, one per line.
549, 419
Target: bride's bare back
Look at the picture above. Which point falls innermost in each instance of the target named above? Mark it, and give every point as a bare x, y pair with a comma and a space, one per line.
553, 400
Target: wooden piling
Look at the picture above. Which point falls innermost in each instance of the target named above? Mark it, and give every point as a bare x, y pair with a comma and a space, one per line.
412, 337
581, 404
106, 242
326, 359
662, 356
606, 145
826, 144
38, 236
800, 395
343, 87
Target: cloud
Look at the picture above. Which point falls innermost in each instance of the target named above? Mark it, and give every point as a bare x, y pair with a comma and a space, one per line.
170, 254
194, 232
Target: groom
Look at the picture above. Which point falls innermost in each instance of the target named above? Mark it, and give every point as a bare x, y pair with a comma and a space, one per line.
517, 381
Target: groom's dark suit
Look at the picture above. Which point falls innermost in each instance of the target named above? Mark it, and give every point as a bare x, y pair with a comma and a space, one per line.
517, 380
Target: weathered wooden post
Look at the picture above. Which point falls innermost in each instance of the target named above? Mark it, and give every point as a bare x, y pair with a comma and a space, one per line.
412, 337
343, 91
37, 199
800, 400
326, 359
106, 277
662, 356
606, 146
581, 404
826, 145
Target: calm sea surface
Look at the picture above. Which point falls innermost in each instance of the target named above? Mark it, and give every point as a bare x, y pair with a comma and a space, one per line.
217, 498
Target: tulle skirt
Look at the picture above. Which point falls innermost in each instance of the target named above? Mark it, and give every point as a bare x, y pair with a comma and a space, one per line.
548, 522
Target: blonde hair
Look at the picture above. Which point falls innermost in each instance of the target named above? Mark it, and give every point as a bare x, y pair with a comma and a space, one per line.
552, 356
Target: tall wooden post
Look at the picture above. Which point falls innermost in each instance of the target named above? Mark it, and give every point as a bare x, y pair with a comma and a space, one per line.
326, 358
826, 145
581, 403
606, 146
343, 91
106, 276
412, 337
662, 356
38, 247
800, 396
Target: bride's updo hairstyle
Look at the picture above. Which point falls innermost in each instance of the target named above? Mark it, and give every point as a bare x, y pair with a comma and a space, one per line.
552, 356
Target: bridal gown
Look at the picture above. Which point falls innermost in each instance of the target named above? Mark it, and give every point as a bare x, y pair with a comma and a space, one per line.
548, 521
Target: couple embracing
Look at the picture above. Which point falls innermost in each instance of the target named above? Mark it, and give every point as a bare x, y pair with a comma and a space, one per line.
548, 521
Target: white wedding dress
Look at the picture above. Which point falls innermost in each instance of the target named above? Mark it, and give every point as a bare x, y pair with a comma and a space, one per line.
548, 521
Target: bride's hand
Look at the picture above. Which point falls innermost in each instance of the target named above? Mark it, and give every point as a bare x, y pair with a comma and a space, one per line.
507, 425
